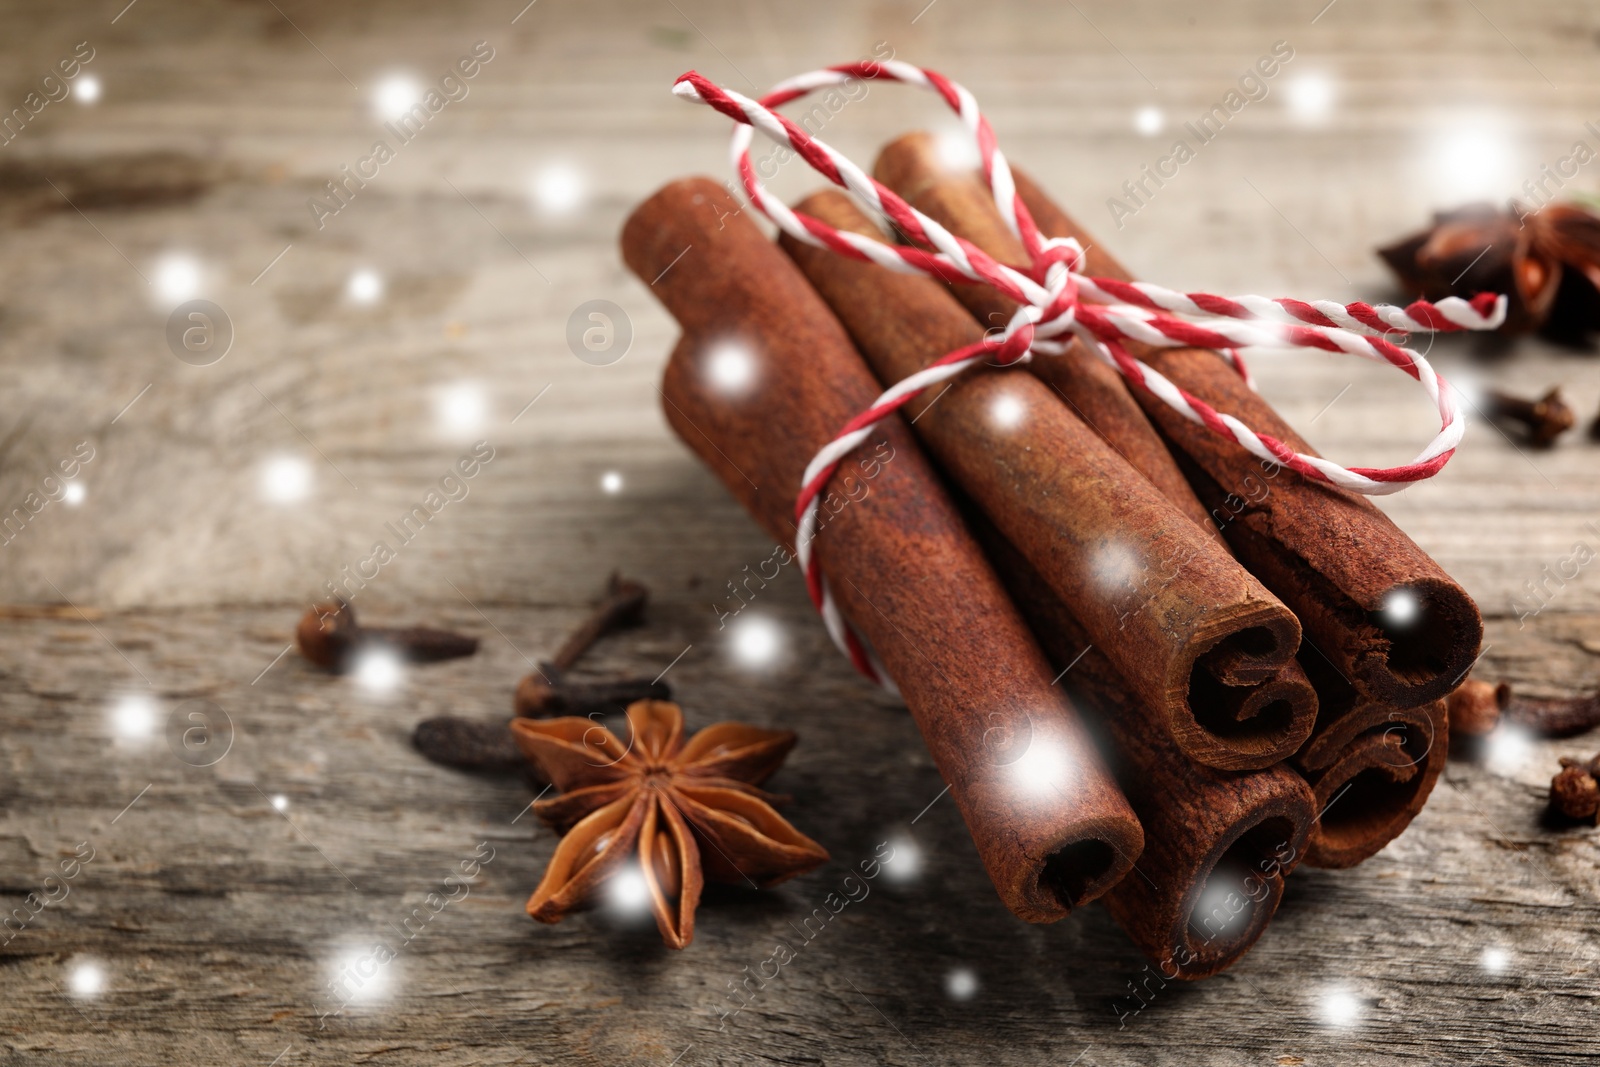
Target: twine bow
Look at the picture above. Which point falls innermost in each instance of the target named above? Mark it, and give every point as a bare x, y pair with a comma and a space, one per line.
1059, 303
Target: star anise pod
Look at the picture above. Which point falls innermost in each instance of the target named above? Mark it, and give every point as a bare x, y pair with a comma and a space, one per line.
1547, 262
688, 809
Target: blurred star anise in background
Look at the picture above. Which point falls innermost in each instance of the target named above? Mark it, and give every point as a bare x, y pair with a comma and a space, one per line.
1547, 262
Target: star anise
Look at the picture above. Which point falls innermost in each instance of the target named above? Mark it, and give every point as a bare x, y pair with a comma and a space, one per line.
1547, 262
689, 809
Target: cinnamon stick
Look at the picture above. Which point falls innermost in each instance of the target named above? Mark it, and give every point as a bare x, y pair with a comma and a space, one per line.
1217, 846
911, 167
1333, 557
1371, 767
1051, 826
1192, 632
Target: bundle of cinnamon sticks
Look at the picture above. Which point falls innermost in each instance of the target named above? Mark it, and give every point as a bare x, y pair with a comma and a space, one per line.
1207, 669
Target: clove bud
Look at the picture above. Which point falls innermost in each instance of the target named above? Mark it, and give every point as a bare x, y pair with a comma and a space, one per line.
330, 637
538, 697
1543, 420
1574, 793
1474, 708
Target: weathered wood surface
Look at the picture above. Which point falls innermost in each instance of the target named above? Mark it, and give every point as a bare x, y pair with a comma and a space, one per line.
218, 921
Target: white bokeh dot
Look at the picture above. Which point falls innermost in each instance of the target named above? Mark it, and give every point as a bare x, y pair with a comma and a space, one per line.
1225, 899
396, 95
1401, 608
1506, 749
1114, 565
285, 479
1149, 120
73, 494
176, 277
904, 862
757, 641
731, 368
1006, 411
961, 984
379, 671
365, 286
956, 149
280, 803
86, 979
1495, 960
1473, 155
361, 975
559, 188
1043, 769
86, 89
1471, 392
611, 482
133, 718
628, 892
1339, 1008
461, 408
1311, 96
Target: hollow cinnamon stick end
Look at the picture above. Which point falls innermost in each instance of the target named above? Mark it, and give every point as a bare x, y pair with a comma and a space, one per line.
1050, 824
1086, 868
1044, 865
1261, 636
1377, 785
1426, 635
1230, 893
1243, 728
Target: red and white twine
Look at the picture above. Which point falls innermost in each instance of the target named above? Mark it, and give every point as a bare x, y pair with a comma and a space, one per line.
1058, 303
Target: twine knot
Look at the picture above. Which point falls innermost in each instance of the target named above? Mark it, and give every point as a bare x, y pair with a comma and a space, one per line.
1058, 304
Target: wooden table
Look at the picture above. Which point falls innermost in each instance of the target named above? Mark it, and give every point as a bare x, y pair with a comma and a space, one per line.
222, 901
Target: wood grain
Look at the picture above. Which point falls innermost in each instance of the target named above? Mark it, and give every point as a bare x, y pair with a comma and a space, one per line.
217, 920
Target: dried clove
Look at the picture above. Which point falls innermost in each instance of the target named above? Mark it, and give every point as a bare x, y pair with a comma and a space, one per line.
622, 607
1477, 707
1553, 716
330, 637
541, 695
1474, 708
477, 745
469, 744
1574, 792
547, 691
1544, 419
